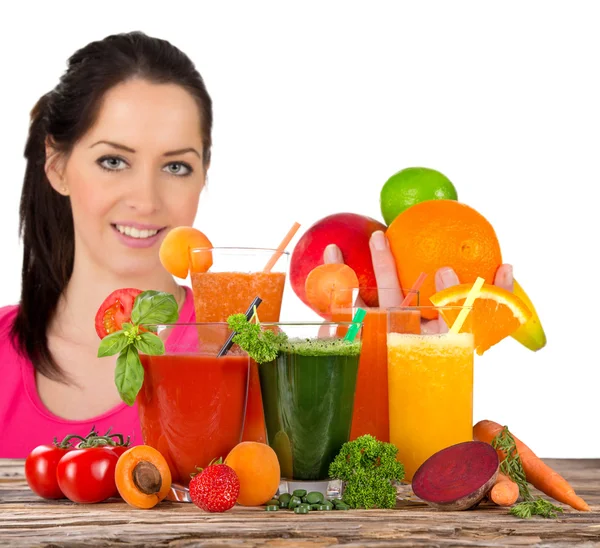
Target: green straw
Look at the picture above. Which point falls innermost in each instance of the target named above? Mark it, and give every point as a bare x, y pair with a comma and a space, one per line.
356, 323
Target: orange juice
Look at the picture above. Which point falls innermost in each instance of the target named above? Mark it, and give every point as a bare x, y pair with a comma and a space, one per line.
218, 295
430, 382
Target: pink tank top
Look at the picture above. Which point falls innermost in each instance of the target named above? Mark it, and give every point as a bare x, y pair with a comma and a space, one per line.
24, 420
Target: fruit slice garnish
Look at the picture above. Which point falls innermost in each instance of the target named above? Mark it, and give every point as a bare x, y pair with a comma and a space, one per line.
323, 283
497, 313
115, 311
174, 251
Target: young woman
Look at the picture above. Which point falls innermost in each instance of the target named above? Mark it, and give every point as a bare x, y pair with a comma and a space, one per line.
117, 155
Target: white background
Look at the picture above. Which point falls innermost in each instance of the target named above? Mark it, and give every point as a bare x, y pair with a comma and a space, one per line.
316, 104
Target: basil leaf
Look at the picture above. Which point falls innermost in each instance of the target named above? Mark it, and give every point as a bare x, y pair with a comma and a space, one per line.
129, 374
112, 344
154, 307
150, 344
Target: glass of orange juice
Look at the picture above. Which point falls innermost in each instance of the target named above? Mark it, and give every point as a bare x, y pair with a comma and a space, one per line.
237, 275
371, 409
430, 384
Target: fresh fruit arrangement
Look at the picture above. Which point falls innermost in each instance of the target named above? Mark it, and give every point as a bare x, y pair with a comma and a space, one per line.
426, 228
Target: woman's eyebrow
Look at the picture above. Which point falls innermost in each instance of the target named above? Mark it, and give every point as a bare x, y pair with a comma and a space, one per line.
129, 149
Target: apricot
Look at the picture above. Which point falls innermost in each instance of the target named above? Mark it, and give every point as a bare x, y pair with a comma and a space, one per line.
257, 468
175, 248
351, 233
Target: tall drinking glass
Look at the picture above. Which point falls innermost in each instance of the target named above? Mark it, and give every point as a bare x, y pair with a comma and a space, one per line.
308, 398
235, 278
371, 408
430, 382
192, 403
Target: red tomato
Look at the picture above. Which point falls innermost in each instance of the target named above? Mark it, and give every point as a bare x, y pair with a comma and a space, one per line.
115, 310
88, 475
40, 470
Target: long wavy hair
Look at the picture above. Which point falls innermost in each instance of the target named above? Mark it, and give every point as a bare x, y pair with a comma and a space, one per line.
62, 116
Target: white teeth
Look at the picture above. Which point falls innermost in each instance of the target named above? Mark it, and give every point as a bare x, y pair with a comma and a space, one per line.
134, 232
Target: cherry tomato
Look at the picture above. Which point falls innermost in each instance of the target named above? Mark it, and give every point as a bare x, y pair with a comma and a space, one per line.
115, 310
40, 470
88, 475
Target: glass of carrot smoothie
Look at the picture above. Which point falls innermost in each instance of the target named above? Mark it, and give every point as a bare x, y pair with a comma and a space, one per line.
192, 403
235, 278
371, 409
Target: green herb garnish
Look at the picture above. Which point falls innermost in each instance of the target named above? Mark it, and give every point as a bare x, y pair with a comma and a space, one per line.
262, 345
149, 307
368, 467
512, 467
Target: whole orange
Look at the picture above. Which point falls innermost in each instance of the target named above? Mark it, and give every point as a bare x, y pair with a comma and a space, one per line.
436, 233
257, 467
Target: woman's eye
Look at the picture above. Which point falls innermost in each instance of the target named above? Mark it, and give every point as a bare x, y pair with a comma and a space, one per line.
112, 163
178, 168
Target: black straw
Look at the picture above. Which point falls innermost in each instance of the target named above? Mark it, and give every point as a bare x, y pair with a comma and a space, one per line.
249, 313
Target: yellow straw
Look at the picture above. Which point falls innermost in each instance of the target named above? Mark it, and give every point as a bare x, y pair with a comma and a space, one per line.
462, 316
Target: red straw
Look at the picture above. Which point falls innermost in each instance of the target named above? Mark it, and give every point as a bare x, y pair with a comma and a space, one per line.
281, 248
414, 289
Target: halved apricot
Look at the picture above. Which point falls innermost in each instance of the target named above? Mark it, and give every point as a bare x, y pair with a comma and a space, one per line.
142, 476
175, 249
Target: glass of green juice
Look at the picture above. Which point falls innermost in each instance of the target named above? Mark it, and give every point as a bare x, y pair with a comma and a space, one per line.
308, 400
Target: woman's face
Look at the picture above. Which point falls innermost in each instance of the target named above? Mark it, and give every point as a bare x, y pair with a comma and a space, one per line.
137, 173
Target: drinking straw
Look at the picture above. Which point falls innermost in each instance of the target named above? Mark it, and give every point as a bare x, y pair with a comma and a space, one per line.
249, 313
281, 247
414, 289
356, 323
471, 296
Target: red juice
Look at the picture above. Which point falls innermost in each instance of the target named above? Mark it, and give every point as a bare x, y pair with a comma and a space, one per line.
192, 408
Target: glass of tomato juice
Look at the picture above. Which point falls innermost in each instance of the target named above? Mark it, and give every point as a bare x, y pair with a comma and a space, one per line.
236, 276
192, 402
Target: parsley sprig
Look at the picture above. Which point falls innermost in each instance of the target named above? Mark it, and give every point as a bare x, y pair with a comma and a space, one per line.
262, 345
150, 307
512, 467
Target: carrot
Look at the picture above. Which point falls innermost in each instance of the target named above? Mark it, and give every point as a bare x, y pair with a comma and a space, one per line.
505, 491
323, 285
538, 473
142, 476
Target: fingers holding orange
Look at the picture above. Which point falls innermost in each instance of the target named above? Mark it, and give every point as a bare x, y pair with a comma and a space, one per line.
175, 253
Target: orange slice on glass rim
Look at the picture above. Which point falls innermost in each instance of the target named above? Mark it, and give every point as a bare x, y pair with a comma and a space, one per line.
497, 313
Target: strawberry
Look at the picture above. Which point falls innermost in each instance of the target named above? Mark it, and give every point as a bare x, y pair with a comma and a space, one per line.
216, 488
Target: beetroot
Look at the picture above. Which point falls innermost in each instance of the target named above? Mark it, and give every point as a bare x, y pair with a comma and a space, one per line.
458, 477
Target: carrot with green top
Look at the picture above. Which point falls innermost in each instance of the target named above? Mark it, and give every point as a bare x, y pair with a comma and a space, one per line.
537, 472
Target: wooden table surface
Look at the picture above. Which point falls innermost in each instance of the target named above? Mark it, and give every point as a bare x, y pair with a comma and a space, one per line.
27, 520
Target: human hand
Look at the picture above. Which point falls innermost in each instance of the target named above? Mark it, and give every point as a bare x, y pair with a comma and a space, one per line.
386, 277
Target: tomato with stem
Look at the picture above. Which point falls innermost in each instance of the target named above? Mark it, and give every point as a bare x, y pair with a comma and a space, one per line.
88, 475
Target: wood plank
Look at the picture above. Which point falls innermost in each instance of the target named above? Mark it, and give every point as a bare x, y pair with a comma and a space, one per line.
27, 520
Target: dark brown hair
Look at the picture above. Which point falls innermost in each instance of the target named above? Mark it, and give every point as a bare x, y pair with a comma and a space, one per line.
63, 116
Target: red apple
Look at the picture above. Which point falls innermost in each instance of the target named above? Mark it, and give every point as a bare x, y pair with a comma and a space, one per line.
351, 233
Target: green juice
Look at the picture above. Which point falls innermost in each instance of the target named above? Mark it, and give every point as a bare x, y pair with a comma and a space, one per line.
308, 399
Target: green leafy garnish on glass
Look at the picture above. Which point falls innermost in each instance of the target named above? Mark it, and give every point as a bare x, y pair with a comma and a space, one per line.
149, 307
262, 345
369, 469
512, 467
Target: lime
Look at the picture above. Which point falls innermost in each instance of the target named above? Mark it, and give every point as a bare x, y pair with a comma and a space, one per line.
411, 186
